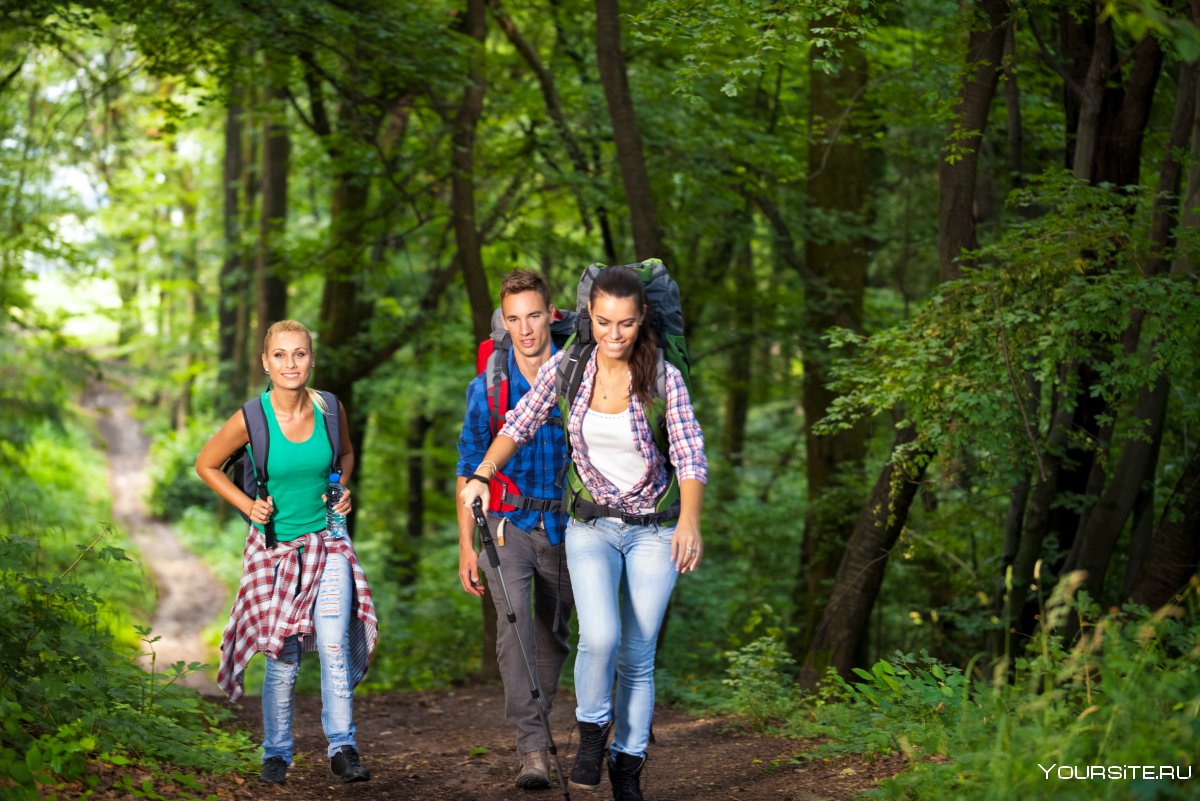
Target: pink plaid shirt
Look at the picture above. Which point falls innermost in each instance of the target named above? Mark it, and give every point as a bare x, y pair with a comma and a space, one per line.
267, 610
683, 432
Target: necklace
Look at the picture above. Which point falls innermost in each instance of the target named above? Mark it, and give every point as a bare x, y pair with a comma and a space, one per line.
604, 392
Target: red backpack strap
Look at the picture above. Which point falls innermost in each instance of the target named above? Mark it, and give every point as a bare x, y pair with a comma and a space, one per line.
496, 380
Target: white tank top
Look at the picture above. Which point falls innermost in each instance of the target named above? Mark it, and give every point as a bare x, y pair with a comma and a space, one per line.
610, 448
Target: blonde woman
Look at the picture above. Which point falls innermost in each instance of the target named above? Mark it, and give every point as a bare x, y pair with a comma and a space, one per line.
301, 589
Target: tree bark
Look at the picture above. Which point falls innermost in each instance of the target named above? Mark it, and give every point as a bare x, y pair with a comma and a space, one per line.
466, 233
740, 372
247, 347
631, 158
231, 296
959, 167
462, 202
838, 184
1175, 553
860, 573
277, 147
1102, 525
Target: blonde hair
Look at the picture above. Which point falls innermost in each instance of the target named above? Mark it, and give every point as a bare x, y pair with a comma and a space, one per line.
296, 327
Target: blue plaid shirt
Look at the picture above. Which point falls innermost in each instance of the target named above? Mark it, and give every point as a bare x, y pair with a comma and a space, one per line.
536, 466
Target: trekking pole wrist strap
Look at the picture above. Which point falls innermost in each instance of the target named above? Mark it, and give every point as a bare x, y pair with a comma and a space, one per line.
477, 477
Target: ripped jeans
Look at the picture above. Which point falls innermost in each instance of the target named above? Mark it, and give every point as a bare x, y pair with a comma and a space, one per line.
331, 619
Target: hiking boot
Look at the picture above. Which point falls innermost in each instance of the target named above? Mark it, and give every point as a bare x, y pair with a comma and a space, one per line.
585, 773
624, 774
345, 765
274, 770
535, 770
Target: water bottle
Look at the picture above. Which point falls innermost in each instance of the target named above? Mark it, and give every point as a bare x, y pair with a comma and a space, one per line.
335, 523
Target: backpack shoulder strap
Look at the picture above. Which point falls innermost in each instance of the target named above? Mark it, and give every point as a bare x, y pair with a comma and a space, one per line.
656, 410
260, 436
333, 429
496, 381
567, 378
569, 373
260, 451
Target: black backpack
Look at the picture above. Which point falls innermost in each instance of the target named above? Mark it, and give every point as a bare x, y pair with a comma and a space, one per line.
247, 466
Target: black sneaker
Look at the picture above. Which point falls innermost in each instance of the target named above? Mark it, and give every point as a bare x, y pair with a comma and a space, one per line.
274, 770
345, 765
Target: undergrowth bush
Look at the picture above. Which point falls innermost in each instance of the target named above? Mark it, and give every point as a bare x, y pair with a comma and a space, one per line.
67, 697
1072, 720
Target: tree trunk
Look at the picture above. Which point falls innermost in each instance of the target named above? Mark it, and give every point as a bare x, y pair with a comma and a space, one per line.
232, 291
406, 550
838, 186
741, 366
844, 621
631, 158
959, 166
248, 346
277, 146
462, 201
1102, 524
1190, 215
1175, 552
466, 234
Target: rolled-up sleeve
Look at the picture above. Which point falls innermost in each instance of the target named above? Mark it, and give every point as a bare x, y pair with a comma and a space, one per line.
534, 408
683, 430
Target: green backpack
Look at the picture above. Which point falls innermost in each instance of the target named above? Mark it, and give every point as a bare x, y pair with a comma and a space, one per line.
666, 318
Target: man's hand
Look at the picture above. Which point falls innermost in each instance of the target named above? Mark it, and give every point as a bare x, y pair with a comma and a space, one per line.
468, 571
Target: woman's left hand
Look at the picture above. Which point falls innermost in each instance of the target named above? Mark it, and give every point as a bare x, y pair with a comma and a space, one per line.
342, 507
687, 547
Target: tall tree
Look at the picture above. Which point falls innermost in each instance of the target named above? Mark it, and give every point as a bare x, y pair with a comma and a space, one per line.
842, 624
277, 146
233, 286
836, 255
631, 158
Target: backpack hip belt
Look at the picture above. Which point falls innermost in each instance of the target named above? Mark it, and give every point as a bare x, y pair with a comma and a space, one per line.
527, 503
588, 510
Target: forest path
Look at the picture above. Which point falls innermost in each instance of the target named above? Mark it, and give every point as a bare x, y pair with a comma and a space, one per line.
190, 596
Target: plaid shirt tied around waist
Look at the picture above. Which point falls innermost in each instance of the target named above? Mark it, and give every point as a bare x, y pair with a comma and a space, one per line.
275, 601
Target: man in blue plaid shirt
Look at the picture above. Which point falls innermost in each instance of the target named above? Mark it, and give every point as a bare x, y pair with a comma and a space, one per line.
529, 538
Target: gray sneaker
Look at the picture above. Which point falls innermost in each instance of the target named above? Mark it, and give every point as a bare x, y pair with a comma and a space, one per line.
535, 771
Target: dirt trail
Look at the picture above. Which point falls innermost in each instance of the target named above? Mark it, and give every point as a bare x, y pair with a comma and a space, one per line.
190, 597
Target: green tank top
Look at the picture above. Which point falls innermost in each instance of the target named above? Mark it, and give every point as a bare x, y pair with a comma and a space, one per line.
298, 473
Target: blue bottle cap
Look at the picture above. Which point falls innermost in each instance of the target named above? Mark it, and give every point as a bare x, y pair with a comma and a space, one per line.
335, 477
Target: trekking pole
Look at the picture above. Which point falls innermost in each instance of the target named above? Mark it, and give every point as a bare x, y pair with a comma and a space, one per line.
489, 545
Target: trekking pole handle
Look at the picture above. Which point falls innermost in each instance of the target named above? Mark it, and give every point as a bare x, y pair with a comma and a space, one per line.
485, 534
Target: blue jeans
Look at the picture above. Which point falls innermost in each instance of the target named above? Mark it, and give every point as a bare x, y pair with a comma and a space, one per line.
622, 576
331, 621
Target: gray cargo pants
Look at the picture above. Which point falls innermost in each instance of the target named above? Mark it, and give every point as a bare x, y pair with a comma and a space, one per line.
535, 573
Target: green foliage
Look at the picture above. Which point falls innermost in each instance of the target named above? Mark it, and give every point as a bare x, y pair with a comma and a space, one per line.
69, 697
1126, 693
174, 486
758, 677
1037, 301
